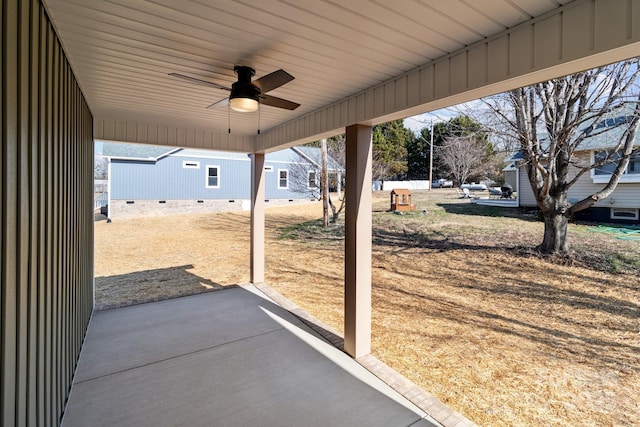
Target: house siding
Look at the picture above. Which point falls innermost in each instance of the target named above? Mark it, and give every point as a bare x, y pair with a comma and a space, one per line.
525, 194
46, 219
626, 195
167, 179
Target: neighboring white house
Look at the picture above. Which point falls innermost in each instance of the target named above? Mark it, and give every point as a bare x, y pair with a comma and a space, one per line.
623, 205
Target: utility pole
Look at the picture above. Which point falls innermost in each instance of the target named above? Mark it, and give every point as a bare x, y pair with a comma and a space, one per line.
431, 159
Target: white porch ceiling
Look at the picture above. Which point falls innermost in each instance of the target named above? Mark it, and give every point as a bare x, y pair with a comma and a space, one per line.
121, 51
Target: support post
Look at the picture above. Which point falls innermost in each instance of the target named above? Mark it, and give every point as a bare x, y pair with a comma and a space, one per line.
257, 218
357, 277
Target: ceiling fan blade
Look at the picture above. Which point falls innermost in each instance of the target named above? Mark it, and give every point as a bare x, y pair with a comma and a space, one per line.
222, 103
199, 81
272, 80
278, 102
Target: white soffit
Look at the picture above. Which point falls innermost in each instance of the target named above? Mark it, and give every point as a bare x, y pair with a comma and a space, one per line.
121, 52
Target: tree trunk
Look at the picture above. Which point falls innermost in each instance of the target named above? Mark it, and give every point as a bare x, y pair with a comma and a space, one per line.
555, 233
336, 211
324, 186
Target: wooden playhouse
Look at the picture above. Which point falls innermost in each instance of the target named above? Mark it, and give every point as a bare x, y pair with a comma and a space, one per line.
401, 200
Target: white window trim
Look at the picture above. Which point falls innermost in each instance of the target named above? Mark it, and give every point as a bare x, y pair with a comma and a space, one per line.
315, 180
189, 164
206, 176
613, 215
624, 179
268, 168
287, 186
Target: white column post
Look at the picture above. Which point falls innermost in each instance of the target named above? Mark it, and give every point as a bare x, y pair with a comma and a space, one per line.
257, 218
358, 222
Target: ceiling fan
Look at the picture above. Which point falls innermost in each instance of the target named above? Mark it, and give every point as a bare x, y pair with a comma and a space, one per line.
246, 94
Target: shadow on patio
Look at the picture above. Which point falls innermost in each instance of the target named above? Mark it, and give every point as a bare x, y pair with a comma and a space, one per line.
231, 357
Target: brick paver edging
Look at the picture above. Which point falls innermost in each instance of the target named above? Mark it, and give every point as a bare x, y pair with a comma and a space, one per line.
416, 395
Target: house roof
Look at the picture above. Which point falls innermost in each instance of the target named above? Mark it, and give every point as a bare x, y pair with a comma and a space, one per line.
152, 153
607, 134
135, 151
314, 154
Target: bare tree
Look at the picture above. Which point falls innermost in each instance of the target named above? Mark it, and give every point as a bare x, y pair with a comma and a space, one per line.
100, 167
336, 150
554, 119
314, 180
463, 156
304, 178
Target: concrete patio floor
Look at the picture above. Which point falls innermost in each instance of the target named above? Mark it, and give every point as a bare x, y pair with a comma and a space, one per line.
224, 358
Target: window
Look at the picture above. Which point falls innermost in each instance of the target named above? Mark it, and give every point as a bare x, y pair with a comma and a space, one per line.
624, 213
268, 168
190, 165
213, 176
312, 182
603, 173
634, 164
608, 168
283, 179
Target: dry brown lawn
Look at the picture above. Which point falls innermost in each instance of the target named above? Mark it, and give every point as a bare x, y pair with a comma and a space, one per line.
461, 304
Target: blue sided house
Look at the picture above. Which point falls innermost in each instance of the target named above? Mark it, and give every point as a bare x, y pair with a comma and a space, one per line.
146, 180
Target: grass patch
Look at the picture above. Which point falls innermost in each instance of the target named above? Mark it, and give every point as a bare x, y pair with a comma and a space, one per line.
312, 230
458, 224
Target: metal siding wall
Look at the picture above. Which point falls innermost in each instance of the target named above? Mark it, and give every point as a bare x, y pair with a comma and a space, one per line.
168, 180
271, 183
46, 232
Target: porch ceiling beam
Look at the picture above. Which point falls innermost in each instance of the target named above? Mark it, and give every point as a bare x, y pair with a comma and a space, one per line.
581, 35
108, 129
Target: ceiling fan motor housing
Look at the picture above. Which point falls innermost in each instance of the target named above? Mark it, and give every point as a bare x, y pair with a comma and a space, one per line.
243, 88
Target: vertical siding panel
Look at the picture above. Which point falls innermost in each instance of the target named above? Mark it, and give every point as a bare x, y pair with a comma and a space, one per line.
3, 380
459, 72
42, 371
64, 249
478, 75
33, 330
22, 279
548, 41
9, 221
3, 323
521, 50
8, 250
50, 279
55, 203
442, 75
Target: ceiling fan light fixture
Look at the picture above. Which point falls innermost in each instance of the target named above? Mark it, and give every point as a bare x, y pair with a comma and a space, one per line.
244, 95
244, 105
